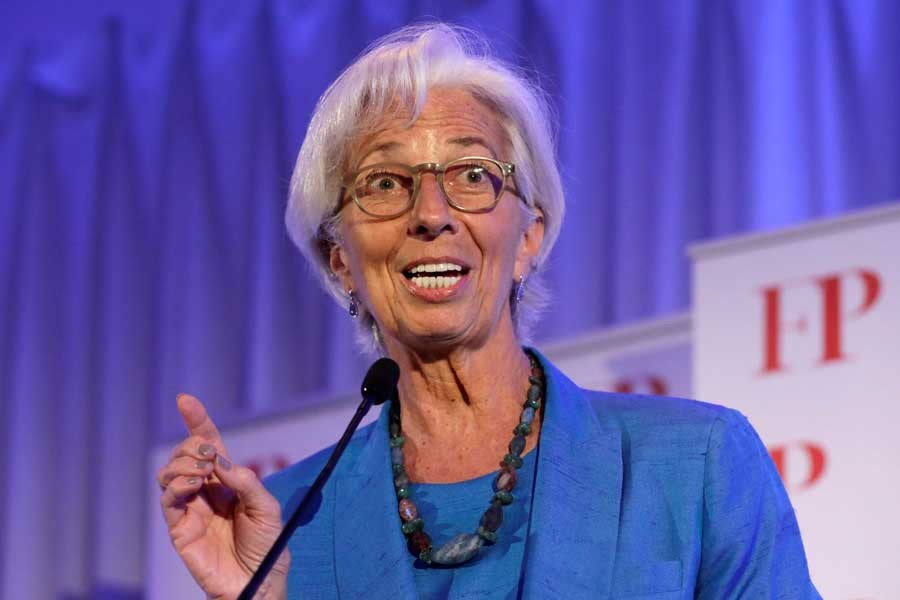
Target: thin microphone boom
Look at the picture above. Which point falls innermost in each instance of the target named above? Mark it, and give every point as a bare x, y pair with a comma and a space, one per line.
379, 384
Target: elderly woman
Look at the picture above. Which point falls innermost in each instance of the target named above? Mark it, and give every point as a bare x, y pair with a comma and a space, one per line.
426, 194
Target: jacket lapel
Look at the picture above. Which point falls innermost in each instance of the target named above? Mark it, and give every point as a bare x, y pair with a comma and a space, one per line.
371, 560
575, 511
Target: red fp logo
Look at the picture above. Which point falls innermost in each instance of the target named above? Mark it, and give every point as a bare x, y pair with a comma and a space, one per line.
832, 314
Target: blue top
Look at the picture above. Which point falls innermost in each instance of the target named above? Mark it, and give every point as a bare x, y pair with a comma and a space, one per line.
452, 508
634, 496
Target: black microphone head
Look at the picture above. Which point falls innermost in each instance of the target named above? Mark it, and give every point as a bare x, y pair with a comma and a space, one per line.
381, 380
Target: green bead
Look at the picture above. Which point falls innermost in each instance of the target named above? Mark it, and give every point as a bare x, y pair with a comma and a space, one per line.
512, 459
397, 441
397, 468
403, 492
486, 535
411, 526
533, 403
522, 429
505, 498
425, 556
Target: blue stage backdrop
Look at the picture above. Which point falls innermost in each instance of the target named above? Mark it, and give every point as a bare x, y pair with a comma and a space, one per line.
144, 163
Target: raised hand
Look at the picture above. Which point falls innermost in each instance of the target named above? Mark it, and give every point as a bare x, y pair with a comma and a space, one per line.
221, 519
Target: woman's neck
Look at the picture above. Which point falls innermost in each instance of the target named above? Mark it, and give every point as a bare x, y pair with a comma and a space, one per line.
458, 409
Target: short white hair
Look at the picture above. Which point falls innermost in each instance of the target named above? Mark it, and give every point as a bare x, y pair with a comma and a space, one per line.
395, 74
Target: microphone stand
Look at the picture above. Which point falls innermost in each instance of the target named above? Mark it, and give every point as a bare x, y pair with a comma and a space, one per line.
379, 385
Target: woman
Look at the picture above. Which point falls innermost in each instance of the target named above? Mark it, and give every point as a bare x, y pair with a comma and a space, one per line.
426, 194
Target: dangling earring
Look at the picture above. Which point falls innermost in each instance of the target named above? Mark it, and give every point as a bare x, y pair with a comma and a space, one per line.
520, 289
354, 305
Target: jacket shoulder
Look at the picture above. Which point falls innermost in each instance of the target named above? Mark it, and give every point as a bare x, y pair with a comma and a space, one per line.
661, 425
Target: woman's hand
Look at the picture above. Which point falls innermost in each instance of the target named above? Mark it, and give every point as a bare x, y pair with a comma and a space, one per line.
221, 519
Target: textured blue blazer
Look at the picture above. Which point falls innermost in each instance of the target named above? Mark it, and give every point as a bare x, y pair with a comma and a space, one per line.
635, 497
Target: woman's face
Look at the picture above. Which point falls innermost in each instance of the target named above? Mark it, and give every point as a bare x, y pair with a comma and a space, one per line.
381, 259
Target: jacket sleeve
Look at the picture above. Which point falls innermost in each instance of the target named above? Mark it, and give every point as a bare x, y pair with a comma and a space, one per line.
751, 545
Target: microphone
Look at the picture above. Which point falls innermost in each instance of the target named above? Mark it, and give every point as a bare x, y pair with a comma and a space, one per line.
379, 384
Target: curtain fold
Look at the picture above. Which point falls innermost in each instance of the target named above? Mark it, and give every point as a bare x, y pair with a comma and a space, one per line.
144, 174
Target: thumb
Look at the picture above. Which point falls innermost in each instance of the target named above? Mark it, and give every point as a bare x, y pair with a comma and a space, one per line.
196, 419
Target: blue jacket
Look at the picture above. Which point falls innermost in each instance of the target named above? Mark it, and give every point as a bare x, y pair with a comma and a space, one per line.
636, 496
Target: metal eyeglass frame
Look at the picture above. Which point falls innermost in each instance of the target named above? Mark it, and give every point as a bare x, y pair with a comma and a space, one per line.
507, 169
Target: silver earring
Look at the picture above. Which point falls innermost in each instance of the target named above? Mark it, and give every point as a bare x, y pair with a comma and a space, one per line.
520, 289
354, 305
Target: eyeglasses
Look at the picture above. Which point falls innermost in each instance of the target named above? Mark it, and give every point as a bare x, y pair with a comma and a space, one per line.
471, 184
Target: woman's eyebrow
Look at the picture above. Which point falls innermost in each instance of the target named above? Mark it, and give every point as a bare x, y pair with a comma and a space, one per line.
383, 147
472, 140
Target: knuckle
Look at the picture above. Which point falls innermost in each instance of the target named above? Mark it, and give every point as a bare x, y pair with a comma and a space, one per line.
246, 476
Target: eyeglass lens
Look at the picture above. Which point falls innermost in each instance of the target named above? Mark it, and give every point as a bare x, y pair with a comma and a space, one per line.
469, 184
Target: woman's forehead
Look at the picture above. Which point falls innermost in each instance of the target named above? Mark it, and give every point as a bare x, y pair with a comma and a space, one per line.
451, 119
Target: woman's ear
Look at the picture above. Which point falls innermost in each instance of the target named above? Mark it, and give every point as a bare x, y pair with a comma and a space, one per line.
530, 244
339, 264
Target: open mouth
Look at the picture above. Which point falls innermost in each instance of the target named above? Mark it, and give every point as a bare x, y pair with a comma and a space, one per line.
436, 275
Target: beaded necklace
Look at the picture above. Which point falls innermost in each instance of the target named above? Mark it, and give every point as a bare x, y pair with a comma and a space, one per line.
464, 546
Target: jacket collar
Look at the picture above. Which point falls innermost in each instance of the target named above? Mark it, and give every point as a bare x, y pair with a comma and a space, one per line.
574, 519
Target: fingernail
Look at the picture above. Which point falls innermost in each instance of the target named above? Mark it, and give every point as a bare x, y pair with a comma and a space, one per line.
193, 480
223, 462
202, 464
206, 449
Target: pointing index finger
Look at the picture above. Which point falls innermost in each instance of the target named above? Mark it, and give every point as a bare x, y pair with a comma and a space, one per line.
196, 419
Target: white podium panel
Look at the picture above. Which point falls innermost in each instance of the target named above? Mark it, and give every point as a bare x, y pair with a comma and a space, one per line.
649, 357
800, 330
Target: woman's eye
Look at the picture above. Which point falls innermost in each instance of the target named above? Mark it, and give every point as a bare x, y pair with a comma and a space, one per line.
474, 175
383, 182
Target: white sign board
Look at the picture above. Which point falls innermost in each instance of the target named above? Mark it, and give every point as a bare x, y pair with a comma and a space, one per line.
800, 330
649, 357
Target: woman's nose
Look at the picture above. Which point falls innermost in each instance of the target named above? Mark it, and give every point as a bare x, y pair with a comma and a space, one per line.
431, 215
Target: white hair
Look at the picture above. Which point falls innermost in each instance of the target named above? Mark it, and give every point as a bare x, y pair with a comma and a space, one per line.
394, 75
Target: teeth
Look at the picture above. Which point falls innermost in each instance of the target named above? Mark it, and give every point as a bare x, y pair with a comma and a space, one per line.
431, 282
436, 267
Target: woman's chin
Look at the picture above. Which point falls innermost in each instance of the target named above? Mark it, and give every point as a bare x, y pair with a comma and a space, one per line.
437, 335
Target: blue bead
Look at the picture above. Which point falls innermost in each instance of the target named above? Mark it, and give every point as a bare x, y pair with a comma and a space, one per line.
534, 394
458, 550
517, 445
527, 416
396, 456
